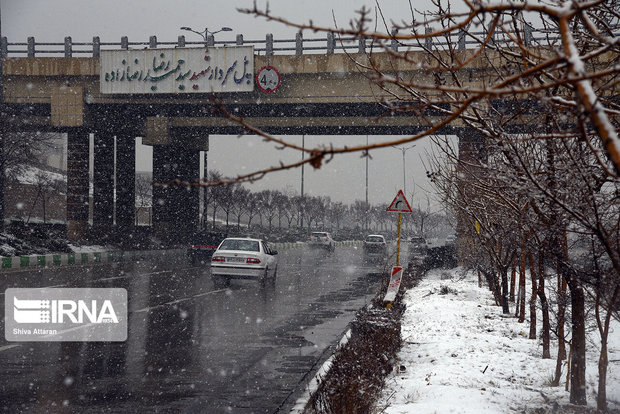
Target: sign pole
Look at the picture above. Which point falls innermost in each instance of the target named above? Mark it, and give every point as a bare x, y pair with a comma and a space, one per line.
398, 241
399, 205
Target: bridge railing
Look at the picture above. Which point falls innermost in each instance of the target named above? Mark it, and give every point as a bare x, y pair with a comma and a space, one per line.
270, 46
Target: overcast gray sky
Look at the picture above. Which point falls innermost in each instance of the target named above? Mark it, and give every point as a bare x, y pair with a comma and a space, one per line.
343, 179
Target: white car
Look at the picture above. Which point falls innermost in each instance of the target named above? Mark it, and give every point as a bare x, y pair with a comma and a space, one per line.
243, 258
322, 240
451, 240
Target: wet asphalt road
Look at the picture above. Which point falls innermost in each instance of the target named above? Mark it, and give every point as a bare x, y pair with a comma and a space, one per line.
191, 347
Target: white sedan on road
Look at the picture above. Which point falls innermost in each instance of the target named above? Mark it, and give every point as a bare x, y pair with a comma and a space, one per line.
243, 258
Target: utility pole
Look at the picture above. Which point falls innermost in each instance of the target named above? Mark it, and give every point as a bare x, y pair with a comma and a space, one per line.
367, 205
367, 172
403, 150
303, 143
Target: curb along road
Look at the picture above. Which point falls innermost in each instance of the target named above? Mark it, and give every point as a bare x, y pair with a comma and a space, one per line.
113, 256
71, 259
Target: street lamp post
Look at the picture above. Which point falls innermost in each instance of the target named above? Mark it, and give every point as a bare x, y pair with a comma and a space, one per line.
403, 150
303, 145
205, 34
367, 205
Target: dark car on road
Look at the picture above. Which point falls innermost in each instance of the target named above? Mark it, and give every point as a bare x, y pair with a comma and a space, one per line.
202, 246
417, 247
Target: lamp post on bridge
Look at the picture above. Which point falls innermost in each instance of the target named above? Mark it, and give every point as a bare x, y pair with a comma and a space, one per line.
205, 35
403, 150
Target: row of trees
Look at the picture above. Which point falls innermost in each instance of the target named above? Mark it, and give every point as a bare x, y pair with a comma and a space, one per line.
22, 162
535, 183
273, 208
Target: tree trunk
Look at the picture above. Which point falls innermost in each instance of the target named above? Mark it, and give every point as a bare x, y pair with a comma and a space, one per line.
505, 306
497, 286
34, 203
603, 362
491, 279
544, 305
533, 297
561, 316
214, 210
560, 328
513, 279
43, 204
522, 281
578, 346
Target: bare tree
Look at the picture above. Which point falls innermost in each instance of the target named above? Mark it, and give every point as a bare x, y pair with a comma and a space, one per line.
240, 204
224, 195
47, 186
212, 195
568, 78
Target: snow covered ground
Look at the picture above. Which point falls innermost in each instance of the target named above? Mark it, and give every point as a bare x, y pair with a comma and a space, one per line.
461, 355
32, 175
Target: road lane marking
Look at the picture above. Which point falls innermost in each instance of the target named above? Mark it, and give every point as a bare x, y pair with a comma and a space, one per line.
7, 347
181, 300
36, 288
111, 278
115, 277
142, 274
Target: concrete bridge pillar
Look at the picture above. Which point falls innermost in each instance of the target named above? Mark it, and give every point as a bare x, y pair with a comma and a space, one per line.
125, 181
472, 150
175, 201
103, 182
77, 183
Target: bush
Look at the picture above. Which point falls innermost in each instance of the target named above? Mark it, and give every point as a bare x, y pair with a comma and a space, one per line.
359, 368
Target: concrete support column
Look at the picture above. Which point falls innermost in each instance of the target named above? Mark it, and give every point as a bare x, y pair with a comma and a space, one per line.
77, 183
2, 169
186, 198
125, 181
472, 151
161, 166
175, 202
103, 183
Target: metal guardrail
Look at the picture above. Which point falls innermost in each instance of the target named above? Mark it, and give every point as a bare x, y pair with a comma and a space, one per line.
269, 46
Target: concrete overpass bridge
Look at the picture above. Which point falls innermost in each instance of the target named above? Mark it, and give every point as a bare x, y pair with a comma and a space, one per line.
319, 94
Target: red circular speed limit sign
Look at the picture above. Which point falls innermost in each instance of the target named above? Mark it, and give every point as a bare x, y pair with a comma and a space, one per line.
268, 79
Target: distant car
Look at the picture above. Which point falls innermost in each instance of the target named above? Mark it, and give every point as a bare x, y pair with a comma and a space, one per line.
417, 247
243, 258
375, 248
321, 239
450, 240
202, 246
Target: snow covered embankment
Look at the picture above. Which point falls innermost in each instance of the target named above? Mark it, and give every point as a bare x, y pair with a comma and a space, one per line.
461, 355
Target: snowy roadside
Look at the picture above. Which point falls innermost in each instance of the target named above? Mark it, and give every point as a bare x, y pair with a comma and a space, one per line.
461, 355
